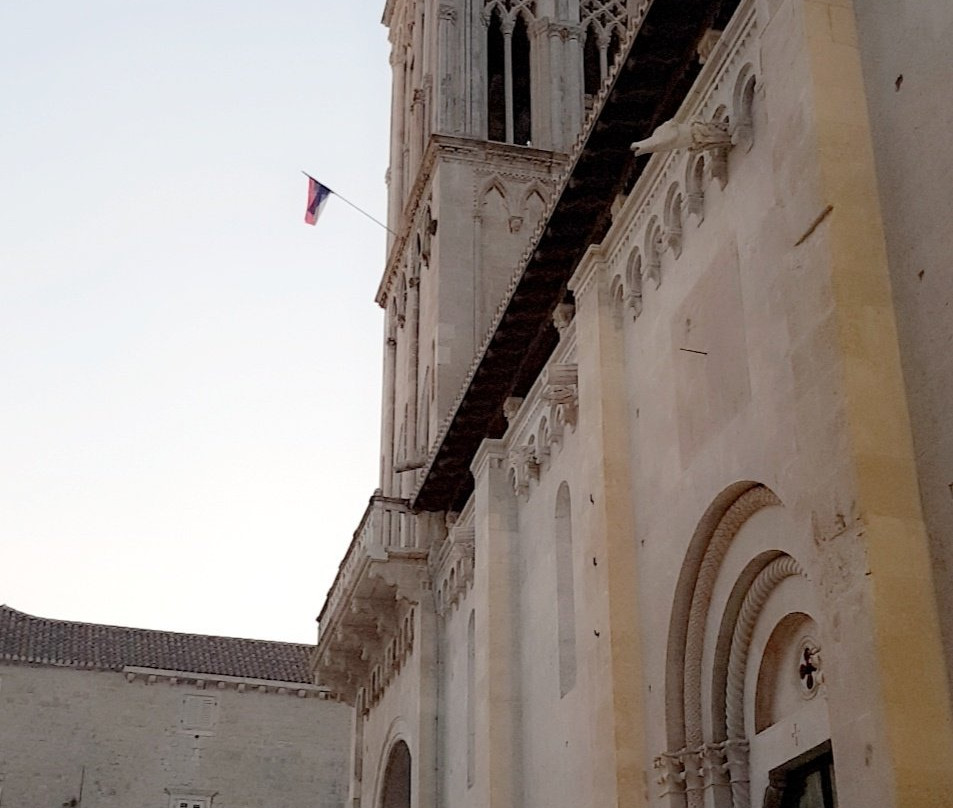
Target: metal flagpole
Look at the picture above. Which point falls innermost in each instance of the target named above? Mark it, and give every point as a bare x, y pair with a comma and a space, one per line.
347, 201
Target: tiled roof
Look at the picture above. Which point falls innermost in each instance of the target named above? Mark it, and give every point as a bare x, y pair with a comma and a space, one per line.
38, 640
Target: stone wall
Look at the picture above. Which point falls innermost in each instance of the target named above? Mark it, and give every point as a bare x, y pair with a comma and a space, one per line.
907, 72
98, 740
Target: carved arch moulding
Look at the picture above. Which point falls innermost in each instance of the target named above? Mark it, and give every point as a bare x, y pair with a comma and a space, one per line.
710, 660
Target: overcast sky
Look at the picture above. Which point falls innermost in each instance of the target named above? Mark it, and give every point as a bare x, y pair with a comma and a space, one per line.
189, 374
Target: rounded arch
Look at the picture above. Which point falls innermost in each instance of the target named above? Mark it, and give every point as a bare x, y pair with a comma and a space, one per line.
736, 584
742, 105
715, 530
633, 280
396, 782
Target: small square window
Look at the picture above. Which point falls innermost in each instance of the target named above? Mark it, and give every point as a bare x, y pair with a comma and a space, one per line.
187, 801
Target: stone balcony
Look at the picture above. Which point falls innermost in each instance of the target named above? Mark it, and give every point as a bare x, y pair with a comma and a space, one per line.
383, 571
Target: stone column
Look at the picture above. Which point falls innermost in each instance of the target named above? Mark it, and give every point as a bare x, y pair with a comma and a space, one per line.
603, 428
388, 404
412, 329
447, 78
395, 199
508, 26
496, 776
912, 714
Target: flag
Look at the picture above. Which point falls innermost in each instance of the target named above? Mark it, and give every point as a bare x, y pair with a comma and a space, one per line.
317, 195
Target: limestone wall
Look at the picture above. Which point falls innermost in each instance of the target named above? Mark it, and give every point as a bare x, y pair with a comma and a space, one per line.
131, 743
908, 73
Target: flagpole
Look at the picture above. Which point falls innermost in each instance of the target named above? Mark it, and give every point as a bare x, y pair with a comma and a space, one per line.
348, 202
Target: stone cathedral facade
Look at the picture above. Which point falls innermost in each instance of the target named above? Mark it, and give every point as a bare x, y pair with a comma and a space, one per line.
665, 514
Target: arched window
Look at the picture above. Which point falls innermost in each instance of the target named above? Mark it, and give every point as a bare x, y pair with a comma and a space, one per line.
508, 83
396, 789
604, 22
565, 596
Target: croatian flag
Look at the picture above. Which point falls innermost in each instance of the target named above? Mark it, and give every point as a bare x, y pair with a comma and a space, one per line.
317, 196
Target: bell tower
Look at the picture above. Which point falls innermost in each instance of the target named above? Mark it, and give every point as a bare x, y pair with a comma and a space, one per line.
488, 97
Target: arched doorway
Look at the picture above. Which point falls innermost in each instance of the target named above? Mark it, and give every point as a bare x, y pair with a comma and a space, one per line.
396, 789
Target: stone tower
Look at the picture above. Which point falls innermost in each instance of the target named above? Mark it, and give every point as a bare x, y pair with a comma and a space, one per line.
488, 96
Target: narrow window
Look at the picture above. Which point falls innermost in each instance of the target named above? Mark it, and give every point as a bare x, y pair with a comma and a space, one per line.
508, 81
592, 72
522, 118
565, 597
496, 80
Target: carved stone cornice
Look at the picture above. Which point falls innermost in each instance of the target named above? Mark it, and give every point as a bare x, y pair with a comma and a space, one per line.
452, 567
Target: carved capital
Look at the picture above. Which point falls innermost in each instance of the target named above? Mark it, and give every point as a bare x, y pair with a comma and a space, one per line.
524, 467
561, 390
670, 774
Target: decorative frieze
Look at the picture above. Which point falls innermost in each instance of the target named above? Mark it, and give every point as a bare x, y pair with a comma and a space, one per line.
537, 424
202, 681
452, 565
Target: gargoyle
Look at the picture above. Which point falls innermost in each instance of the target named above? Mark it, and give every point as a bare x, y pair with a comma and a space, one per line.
692, 135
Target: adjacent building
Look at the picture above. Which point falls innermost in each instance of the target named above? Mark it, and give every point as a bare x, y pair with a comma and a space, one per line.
97, 716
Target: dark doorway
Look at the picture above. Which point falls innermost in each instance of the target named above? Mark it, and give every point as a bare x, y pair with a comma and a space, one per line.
396, 791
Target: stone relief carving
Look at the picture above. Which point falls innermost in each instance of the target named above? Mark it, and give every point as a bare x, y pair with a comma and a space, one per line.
562, 317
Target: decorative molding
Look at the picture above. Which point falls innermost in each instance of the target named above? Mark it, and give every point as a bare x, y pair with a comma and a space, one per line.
452, 569
151, 676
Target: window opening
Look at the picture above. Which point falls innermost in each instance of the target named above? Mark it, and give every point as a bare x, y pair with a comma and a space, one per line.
508, 77
522, 117
592, 73
495, 92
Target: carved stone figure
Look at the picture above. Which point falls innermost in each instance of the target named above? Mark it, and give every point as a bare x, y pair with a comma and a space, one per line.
692, 135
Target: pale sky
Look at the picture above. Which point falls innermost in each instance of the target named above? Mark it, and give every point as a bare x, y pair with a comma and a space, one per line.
189, 374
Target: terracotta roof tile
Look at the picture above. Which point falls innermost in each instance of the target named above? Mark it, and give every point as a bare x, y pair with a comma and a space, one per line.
38, 640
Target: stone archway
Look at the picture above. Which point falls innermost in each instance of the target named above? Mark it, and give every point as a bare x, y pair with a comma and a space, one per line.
395, 790
736, 580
